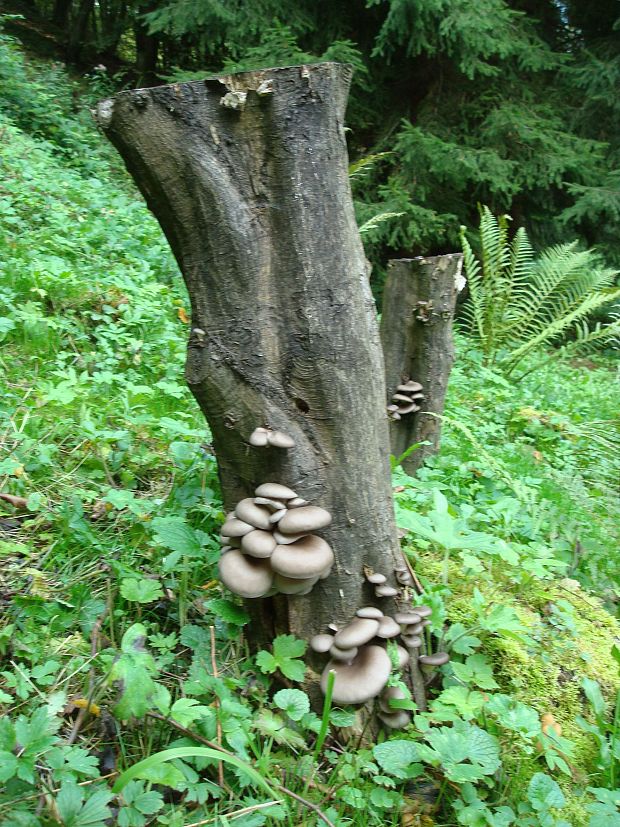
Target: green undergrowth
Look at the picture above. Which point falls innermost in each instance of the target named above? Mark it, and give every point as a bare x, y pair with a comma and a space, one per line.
116, 642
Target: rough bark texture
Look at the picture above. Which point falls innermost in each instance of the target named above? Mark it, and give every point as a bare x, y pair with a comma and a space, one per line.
416, 333
247, 175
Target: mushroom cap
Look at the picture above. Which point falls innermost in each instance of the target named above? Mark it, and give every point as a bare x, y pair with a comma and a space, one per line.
407, 618
285, 539
438, 659
410, 385
392, 408
412, 641
376, 578
258, 437
233, 527
360, 680
369, 611
289, 585
398, 719
343, 655
410, 408
403, 657
395, 416
277, 516
386, 591
305, 558
404, 578
388, 627
258, 543
296, 502
401, 397
281, 440
304, 518
255, 515
423, 611
275, 491
359, 631
321, 643
390, 693
272, 505
245, 576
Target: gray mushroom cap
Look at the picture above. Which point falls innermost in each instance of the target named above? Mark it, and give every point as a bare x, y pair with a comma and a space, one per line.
258, 437
285, 539
412, 641
343, 655
281, 440
309, 557
271, 504
290, 585
403, 657
407, 618
369, 611
386, 591
245, 576
423, 611
401, 397
275, 491
360, 680
304, 518
438, 659
255, 515
359, 631
258, 543
388, 628
376, 578
277, 516
391, 693
296, 502
410, 385
410, 408
398, 719
233, 527
321, 643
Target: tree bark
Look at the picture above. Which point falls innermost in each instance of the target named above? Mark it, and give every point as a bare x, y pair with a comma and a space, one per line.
247, 175
416, 333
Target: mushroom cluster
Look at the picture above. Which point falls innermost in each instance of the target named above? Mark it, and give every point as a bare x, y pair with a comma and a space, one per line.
361, 663
268, 547
406, 399
262, 437
382, 588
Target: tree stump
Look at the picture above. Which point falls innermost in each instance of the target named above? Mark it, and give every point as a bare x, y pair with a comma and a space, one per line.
416, 333
247, 175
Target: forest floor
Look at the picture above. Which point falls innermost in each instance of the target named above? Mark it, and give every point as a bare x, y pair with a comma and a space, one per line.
116, 641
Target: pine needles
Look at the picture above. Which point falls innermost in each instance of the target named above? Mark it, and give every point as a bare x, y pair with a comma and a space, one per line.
519, 304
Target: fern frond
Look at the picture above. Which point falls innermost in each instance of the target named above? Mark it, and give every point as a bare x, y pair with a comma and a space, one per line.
376, 221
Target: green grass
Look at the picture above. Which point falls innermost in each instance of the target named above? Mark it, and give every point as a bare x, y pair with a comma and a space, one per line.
112, 620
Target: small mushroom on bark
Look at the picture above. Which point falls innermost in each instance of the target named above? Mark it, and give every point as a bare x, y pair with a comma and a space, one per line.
369, 611
386, 591
432, 661
376, 578
259, 437
258, 543
275, 491
321, 643
255, 515
388, 628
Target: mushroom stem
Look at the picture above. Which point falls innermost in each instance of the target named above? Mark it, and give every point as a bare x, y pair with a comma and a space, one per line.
418, 687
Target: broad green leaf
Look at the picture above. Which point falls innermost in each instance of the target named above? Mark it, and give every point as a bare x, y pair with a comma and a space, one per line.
544, 792
398, 758
187, 710
144, 590
228, 611
294, 702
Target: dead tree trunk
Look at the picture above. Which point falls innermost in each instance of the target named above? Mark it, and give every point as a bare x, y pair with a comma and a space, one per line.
416, 333
247, 175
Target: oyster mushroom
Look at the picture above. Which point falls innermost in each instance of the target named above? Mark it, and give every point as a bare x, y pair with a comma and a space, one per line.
259, 437
359, 631
369, 611
386, 591
275, 491
321, 643
280, 440
304, 519
361, 679
438, 659
243, 575
258, 543
291, 585
256, 515
303, 559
